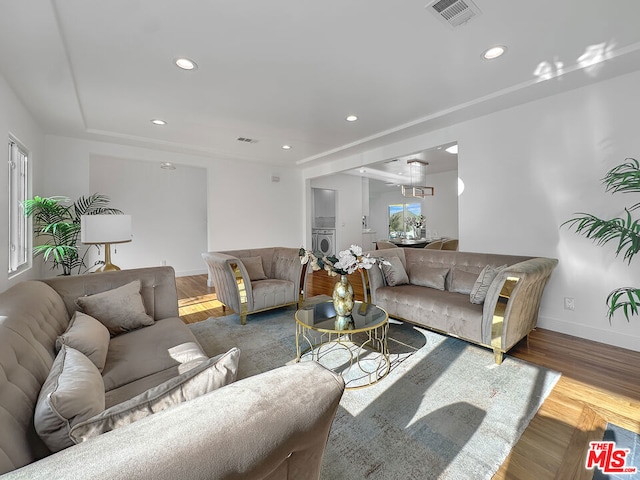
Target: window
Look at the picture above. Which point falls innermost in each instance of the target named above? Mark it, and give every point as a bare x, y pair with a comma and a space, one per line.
18, 191
399, 216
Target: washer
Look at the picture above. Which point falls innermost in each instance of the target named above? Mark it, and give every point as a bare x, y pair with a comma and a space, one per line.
326, 241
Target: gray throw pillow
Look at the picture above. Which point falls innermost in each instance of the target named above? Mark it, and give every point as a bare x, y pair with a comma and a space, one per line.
206, 377
462, 281
88, 336
254, 268
120, 310
432, 277
72, 393
481, 287
394, 273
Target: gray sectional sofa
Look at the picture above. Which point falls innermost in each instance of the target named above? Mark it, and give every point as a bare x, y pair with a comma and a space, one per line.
164, 426
435, 289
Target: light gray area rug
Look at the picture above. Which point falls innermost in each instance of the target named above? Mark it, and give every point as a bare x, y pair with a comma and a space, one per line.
445, 411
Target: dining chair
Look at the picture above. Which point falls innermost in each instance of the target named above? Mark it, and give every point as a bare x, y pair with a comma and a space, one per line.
451, 244
382, 244
437, 245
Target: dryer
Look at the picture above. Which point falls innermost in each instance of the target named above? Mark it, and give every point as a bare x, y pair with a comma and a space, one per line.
325, 240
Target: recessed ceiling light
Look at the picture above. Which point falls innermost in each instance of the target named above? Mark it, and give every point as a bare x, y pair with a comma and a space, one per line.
351, 118
157, 121
167, 166
494, 52
362, 170
286, 147
186, 63
453, 149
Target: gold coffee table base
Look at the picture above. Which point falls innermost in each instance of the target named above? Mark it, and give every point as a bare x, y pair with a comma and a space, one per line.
359, 354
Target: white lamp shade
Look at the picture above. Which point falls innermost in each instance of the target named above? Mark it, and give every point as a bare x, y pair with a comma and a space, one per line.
105, 228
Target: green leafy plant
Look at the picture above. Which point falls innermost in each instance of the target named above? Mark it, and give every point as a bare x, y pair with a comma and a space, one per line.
625, 231
56, 222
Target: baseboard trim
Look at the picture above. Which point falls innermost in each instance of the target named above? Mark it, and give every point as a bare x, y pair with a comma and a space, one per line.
601, 335
189, 273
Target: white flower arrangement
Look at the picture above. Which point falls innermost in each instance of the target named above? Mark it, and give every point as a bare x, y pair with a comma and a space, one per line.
417, 222
347, 261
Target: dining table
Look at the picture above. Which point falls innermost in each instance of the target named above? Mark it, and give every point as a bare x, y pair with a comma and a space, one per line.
413, 242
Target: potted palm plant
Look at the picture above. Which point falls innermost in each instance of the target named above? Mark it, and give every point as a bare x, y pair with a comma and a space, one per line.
56, 222
625, 231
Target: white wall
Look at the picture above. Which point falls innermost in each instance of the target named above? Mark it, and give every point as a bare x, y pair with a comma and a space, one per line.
441, 210
168, 209
245, 208
528, 169
17, 121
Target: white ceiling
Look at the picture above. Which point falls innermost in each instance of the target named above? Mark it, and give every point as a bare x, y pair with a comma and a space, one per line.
289, 71
390, 173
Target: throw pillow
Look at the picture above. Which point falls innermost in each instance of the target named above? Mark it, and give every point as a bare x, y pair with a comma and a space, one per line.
432, 277
188, 355
481, 287
72, 393
120, 310
462, 281
88, 336
394, 273
206, 377
254, 268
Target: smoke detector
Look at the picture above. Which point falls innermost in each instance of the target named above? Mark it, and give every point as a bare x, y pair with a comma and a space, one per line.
454, 12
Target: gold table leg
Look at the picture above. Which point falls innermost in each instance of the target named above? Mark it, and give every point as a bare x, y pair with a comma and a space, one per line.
376, 341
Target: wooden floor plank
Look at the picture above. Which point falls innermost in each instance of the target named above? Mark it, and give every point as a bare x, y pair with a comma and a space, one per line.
590, 428
599, 383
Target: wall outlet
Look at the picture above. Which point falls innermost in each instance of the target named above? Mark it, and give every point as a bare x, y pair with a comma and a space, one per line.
569, 303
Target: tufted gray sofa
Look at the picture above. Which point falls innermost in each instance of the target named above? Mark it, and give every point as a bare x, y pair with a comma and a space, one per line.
236, 289
269, 426
508, 314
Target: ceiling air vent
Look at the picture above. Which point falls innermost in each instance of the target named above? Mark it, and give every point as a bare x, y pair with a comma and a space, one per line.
454, 12
246, 140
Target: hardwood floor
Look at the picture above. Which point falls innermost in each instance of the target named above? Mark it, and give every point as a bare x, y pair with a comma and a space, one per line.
599, 384
196, 301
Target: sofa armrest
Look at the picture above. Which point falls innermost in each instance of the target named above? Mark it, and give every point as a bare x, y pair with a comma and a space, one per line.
521, 311
222, 273
273, 425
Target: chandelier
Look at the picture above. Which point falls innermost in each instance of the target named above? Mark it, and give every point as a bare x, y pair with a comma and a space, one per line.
417, 188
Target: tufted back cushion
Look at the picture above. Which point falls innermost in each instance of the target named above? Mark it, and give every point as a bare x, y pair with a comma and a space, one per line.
32, 315
158, 288
467, 261
265, 253
287, 265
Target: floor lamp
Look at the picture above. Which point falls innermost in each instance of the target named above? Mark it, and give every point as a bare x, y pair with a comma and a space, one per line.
105, 229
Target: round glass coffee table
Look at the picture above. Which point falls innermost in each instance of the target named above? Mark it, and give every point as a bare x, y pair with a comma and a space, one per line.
358, 351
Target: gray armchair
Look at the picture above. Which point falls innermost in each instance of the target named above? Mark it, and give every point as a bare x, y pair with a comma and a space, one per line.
255, 280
